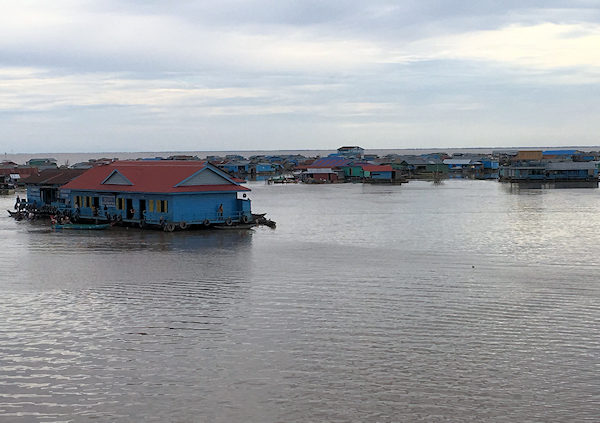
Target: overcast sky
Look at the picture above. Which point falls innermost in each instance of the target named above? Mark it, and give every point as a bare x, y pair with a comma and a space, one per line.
116, 75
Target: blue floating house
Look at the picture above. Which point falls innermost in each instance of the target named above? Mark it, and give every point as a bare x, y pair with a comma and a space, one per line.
167, 193
43, 188
562, 174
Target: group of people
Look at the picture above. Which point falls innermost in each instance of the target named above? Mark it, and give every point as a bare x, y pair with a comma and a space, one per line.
24, 210
60, 219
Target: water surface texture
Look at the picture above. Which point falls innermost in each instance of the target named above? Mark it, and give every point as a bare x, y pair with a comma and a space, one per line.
467, 301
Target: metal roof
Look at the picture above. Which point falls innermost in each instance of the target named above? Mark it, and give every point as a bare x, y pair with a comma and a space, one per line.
153, 176
53, 176
319, 170
377, 168
571, 165
559, 152
329, 162
457, 161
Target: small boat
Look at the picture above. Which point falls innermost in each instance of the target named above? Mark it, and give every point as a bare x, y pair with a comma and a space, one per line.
81, 226
238, 226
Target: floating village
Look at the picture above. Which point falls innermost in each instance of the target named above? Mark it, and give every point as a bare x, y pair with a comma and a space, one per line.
183, 192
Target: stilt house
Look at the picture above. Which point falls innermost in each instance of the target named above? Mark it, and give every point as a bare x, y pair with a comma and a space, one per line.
166, 192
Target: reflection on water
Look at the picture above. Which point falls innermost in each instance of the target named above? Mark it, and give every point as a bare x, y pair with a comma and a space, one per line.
421, 302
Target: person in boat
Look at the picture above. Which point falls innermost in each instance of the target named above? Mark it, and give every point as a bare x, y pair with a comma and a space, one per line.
53, 219
17, 203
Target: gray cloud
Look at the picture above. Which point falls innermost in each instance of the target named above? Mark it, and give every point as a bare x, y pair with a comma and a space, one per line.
190, 75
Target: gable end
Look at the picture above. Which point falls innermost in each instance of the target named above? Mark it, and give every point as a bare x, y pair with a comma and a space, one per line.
116, 178
206, 176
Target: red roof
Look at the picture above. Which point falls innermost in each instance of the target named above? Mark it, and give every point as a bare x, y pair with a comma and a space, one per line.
150, 176
377, 168
53, 176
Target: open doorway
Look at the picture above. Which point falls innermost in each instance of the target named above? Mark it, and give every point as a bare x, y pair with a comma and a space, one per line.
130, 210
142, 208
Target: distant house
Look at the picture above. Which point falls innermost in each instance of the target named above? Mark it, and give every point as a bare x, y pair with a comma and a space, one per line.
353, 172
182, 157
378, 173
329, 162
43, 163
559, 154
459, 164
529, 155
18, 173
265, 168
82, 165
560, 174
43, 188
319, 175
235, 167
167, 193
330, 165
353, 152
411, 166
7, 164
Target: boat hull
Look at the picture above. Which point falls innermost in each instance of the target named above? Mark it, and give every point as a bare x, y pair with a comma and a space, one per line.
81, 226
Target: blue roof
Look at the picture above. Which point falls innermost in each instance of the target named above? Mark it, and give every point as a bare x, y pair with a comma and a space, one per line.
559, 152
329, 162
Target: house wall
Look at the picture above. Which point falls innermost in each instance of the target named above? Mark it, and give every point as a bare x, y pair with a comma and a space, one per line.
33, 195
42, 195
192, 208
198, 207
381, 175
437, 167
353, 171
529, 155
264, 168
325, 176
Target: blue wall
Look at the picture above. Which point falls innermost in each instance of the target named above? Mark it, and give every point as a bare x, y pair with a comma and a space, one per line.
381, 175
264, 168
192, 208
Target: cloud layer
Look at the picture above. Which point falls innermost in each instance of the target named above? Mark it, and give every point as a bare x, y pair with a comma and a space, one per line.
195, 75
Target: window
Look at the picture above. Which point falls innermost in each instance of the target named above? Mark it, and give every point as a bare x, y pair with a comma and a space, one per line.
162, 206
88, 201
120, 204
150, 206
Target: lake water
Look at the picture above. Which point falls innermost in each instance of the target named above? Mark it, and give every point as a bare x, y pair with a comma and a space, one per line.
466, 301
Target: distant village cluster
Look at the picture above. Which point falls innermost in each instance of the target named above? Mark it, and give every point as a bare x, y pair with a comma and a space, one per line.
179, 192
352, 164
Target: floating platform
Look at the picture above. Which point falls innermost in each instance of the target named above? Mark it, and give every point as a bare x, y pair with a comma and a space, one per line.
82, 226
552, 184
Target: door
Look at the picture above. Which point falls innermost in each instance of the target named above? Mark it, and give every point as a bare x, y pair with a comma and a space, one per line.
130, 210
142, 208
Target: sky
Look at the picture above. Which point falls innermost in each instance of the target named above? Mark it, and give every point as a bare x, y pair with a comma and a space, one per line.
118, 75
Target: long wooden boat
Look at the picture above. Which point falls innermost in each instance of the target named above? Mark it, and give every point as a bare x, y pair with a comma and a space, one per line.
237, 226
82, 226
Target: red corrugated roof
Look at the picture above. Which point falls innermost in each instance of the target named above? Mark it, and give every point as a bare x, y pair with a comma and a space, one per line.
149, 176
377, 168
53, 176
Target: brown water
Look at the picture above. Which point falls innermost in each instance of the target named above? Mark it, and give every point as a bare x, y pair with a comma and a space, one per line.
460, 302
